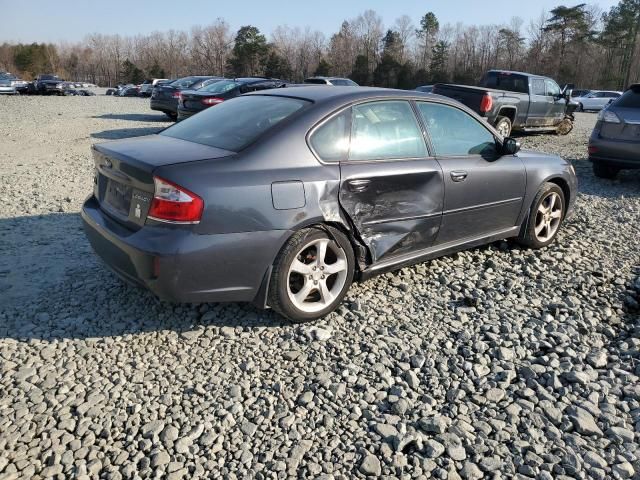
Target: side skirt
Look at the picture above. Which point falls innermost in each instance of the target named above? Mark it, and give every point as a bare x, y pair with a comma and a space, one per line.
434, 252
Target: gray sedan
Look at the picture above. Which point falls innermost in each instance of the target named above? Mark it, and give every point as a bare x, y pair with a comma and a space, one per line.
284, 197
615, 141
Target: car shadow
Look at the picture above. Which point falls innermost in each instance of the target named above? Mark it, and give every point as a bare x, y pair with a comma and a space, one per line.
53, 286
118, 133
135, 117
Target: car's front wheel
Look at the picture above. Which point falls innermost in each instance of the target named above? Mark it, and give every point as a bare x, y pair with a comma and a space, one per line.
545, 217
311, 274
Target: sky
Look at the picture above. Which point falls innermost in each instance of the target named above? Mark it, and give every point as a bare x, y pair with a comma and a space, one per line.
70, 20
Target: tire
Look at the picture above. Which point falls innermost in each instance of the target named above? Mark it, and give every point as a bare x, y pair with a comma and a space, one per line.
602, 170
580, 108
503, 126
300, 254
172, 116
531, 234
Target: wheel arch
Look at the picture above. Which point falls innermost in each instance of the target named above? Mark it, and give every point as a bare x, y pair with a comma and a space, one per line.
359, 250
564, 186
508, 111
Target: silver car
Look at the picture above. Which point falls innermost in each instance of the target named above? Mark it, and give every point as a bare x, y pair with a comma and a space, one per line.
335, 81
6, 84
596, 100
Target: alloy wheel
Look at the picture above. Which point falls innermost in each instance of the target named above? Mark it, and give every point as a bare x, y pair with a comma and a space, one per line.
317, 275
548, 217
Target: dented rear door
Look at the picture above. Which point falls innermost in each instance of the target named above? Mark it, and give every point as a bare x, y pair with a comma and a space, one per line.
391, 188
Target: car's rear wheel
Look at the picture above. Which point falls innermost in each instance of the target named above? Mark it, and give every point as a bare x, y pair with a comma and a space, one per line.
312, 274
580, 108
602, 170
172, 116
503, 126
545, 217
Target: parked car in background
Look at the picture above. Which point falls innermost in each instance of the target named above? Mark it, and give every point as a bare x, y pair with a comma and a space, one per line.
283, 197
165, 97
48, 84
516, 101
596, 100
614, 144
580, 93
194, 101
335, 81
20, 86
146, 88
129, 91
424, 89
6, 84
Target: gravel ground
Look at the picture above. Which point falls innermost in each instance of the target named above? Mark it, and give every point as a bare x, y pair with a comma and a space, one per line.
498, 362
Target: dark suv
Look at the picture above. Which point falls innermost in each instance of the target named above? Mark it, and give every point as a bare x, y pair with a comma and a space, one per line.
193, 101
165, 97
615, 141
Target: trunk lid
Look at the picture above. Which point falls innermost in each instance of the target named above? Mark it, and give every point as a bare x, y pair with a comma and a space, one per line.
627, 129
123, 182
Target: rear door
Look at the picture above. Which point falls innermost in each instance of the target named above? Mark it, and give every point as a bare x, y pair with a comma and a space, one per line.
390, 187
483, 192
538, 102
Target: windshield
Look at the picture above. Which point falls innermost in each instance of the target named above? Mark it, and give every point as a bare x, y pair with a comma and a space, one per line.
222, 86
235, 124
630, 99
48, 77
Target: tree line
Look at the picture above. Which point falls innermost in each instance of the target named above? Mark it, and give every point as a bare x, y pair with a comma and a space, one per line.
580, 44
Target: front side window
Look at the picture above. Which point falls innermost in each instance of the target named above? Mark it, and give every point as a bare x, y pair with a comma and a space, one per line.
553, 90
330, 140
236, 123
385, 130
456, 133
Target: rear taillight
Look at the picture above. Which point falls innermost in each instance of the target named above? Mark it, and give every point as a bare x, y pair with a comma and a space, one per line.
212, 101
592, 149
176, 94
486, 104
172, 203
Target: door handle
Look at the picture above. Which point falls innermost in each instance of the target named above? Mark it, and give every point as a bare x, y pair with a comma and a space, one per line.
458, 175
358, 185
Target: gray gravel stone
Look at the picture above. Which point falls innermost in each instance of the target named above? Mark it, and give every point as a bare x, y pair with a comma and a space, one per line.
370, 466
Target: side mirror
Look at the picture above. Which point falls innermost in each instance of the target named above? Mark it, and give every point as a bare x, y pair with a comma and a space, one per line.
510, 146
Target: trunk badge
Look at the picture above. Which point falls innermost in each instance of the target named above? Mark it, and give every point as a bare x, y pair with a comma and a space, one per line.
137, 212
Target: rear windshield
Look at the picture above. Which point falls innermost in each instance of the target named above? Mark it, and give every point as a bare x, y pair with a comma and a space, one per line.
629, 99
318, 81
505, 81
185, 82
344, 83
234, 124
222, 86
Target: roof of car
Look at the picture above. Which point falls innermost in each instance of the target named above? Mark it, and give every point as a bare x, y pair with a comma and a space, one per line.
321, 93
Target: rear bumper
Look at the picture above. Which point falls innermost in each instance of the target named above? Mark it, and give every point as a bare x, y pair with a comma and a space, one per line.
7, 90
179, 265
166, 105
616, 153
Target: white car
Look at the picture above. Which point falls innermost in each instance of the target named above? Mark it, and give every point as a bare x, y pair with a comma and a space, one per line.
596, 100
147, 86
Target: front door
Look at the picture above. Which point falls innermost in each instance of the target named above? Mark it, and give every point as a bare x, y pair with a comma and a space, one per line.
390, 187
483, 192
538, 103
557, 104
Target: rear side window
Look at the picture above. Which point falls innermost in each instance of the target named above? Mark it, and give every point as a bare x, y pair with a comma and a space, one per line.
537, 87
234, 124
330, 141
629, 99
219, 87
456, 133
386, 129
344, 83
